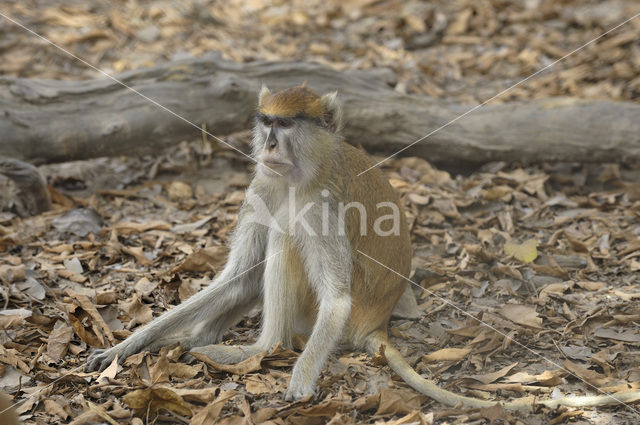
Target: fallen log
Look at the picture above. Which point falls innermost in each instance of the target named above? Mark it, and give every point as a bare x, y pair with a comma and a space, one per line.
33, 195
53, 121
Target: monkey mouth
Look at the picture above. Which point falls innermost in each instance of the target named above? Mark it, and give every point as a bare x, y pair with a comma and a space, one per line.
271, 165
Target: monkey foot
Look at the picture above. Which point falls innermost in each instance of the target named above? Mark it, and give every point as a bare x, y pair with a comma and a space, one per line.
293, 394
100, 359
227, 354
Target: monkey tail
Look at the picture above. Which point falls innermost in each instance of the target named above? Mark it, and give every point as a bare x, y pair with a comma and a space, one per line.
379, 343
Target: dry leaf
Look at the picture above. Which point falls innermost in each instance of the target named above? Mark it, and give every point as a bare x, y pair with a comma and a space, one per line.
75, 277
588, 375
188, 288
210, 414
630, 335
576, 244
263, 384
626, 296
494, 376
179, 190
212, 258
399, 401
461, 22
58, 340
577, 352
493, 413
525, 252
99, 410
163, 369
522, 315
547, 378
53, 408
10, 357
109, 373
234, 198
90, 334
497, 192
591, 286
327, 408
32, 287
144, 286
368, 402
10, 321
557, 289
12, 317
280, 357
135, 360
249, 365
74, 265
414, 418
446, 354
138, 253
198, 395
10, 274
138, 312
191, 227
263, 414
566, 416
99, 324
418, 199
128, 228
151, 401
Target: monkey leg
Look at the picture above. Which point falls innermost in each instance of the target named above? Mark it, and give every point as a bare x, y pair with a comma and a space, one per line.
203, 318
228, 354
279, 309
198, 321
283, 287
210, 330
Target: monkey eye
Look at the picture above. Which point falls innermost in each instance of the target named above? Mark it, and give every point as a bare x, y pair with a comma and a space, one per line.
266, 120
284, 123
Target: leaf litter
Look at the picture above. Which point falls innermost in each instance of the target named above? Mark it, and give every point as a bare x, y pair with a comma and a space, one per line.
573, 303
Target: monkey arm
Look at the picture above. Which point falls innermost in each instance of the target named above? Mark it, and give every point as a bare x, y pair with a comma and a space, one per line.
203, 318
332, 317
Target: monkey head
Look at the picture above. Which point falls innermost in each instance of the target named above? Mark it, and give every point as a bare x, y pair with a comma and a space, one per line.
295, 131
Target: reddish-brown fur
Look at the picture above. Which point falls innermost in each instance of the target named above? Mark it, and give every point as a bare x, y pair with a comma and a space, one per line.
299, 100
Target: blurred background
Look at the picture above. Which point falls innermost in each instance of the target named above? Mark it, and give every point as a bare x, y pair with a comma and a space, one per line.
464, 50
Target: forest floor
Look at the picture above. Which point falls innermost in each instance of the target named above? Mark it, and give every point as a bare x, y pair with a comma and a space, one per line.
528, 275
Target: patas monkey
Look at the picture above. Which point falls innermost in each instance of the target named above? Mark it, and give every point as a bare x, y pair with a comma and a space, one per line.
309, 273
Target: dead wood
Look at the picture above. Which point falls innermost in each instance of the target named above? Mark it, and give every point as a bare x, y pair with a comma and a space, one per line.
53, 121
34, 197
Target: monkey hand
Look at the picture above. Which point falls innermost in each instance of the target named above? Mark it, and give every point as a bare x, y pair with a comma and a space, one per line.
299, 389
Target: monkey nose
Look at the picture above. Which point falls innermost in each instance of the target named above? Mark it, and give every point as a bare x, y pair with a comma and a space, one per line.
271, 142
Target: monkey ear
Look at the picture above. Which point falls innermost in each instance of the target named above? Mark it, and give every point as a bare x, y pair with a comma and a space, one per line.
333, 111
264, 93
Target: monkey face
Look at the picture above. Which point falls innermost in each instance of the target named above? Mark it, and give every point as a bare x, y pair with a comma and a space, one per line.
272, 145
295, 132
